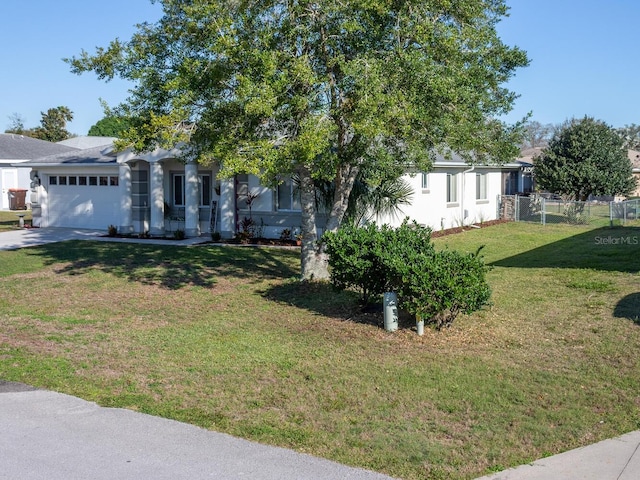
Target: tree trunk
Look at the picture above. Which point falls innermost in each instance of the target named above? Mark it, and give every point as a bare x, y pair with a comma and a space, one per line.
314, 262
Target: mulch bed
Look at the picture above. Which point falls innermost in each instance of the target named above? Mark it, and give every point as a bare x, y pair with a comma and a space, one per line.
449, 231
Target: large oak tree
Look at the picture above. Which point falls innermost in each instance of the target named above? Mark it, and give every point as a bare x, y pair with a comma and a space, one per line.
322, 90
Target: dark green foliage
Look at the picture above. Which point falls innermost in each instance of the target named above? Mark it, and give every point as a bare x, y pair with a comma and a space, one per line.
110, 126
586, 157
435, 286
438, 287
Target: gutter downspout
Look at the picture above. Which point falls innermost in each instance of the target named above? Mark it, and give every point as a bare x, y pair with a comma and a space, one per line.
464, 174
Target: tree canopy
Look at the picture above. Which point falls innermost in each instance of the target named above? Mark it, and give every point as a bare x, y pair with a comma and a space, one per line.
586, 157
53, 125
322, 90
110, 126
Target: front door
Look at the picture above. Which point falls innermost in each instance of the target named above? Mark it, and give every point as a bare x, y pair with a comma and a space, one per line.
9, 180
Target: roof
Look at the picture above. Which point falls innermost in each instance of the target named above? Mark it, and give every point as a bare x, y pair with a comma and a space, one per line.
97, 156
87, 141
18, 147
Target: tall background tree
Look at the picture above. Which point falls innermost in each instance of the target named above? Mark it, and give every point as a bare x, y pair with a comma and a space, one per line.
16, 124
110, 126
631, 136
536, 134
53, 125
586, 157
320, 90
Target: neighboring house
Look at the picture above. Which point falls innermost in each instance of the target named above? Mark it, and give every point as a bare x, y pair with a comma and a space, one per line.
634, 156
14, 151
158, 193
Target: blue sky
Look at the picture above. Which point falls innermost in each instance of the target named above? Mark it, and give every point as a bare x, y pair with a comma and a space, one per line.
583, 58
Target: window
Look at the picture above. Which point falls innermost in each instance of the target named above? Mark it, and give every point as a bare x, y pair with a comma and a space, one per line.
113, 181
73, 180
53, 180
104, 181
93, 181
204, 188
288, 196
425, 181
62, 180
82, 180
452, 188
481, 186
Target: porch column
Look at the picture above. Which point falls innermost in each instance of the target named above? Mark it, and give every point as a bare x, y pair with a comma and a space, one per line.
156, 199
191, 200
227, 220
126, 213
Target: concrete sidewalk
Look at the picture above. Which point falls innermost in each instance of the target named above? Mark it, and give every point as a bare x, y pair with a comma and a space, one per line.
31, 237
615, 459
47, 435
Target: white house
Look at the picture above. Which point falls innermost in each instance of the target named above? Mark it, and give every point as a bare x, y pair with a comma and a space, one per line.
15, 150
158, 193
454, 193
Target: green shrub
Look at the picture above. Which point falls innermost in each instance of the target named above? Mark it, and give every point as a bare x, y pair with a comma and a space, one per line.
112, 230
179, 234
438, 287
434, 286
361, 257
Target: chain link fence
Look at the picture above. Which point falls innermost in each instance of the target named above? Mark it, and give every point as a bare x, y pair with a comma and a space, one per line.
542, 210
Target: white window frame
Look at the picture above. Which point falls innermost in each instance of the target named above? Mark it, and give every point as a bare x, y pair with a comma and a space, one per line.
425, 182
452, 188
481, 186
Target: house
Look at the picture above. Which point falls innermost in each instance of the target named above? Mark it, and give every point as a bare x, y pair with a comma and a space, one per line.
454, 193
157, 192
634, 157
15, 150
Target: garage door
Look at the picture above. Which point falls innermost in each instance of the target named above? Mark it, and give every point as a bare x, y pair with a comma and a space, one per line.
78, 201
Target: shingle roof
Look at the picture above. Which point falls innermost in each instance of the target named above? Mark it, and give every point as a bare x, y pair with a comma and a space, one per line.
18, 147
85, 141
100, 155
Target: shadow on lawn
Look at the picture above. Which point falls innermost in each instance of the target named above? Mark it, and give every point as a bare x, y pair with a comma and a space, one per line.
322, 299
168, 266
607, 249
629, 308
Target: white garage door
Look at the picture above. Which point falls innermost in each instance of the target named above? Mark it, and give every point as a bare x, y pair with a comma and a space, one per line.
78, 201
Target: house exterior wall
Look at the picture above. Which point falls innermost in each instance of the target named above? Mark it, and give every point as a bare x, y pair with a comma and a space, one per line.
429, 206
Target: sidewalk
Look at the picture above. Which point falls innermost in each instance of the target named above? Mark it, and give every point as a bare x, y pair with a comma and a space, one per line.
615, 459
31, 237
47, 435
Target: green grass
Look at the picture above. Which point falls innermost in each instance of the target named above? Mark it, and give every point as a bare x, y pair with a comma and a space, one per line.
224, 338
9, 219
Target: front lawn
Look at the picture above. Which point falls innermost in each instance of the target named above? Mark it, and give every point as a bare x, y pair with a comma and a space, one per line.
224, 337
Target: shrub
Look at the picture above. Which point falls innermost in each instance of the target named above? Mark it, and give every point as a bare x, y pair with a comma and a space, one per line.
112, 230
179, 234
438, 287
434, 286
215, 236
361, 257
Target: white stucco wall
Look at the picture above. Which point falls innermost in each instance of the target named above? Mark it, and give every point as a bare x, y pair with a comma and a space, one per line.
429, 206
